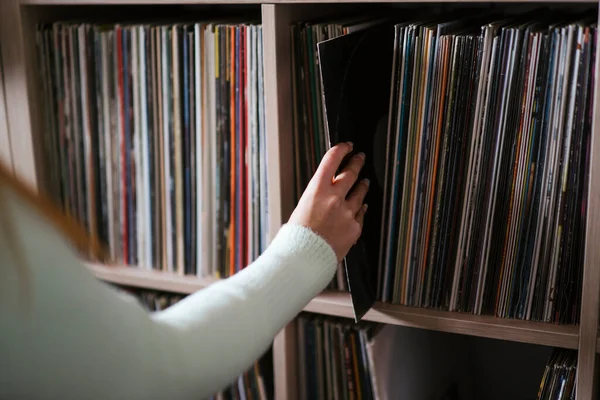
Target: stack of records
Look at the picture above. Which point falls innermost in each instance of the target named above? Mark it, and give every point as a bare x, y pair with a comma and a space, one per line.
336, 359
488, 155
155, 140
249, 385
478, 188
560, 376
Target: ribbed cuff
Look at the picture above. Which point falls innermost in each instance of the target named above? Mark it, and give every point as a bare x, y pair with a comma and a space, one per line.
296, 267
301, 242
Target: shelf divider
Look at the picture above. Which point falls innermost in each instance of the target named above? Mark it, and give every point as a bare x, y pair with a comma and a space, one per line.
587, 365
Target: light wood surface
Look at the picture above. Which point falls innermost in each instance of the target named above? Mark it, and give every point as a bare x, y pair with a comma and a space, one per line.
276, 20
340, 304
117, 2
277, 67
148, 279
18, 91
285, 363
587, 371
278, 117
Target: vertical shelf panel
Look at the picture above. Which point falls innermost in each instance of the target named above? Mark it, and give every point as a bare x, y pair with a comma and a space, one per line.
590, 302
277, 75
277, 78
285, 364
5, 150
18, 90
276, 21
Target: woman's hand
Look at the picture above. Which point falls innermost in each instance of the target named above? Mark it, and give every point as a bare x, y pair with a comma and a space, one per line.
327, 206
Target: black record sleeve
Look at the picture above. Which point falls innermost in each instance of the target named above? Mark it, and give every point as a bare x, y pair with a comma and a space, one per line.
356, 81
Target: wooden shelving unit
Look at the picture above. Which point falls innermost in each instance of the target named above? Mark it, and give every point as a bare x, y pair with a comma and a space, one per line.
24, 123
339, 304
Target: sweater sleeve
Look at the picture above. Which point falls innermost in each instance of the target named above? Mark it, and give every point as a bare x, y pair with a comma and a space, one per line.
67, 335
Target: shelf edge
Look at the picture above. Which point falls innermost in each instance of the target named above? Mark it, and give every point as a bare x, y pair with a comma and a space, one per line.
339, 304
148, 279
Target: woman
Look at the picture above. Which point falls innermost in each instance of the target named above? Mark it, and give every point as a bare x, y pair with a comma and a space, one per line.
67, 336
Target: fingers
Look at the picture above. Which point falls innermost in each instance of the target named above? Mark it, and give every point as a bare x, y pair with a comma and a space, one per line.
357, 196
347, 178
331, 162
360, 215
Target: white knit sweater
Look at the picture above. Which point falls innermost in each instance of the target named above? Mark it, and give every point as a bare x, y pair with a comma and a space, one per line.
80, 339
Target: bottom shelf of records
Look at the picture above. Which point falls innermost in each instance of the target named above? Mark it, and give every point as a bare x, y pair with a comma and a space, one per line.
340, 360
255, 384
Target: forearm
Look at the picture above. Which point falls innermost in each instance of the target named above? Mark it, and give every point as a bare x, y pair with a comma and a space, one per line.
231, 323
76, 338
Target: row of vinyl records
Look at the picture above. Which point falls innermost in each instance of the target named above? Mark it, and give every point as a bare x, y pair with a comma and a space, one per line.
155, 139
341, 360
156, 142
480, 173
248, 386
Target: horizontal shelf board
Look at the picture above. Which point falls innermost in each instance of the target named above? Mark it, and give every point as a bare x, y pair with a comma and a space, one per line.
339, 304
147, 279
224, 2
134, 2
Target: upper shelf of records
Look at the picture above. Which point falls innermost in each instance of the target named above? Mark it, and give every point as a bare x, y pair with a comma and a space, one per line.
477, 131
155, 139
119, 2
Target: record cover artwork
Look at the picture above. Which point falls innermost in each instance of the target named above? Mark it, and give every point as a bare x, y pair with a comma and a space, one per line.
356, 77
